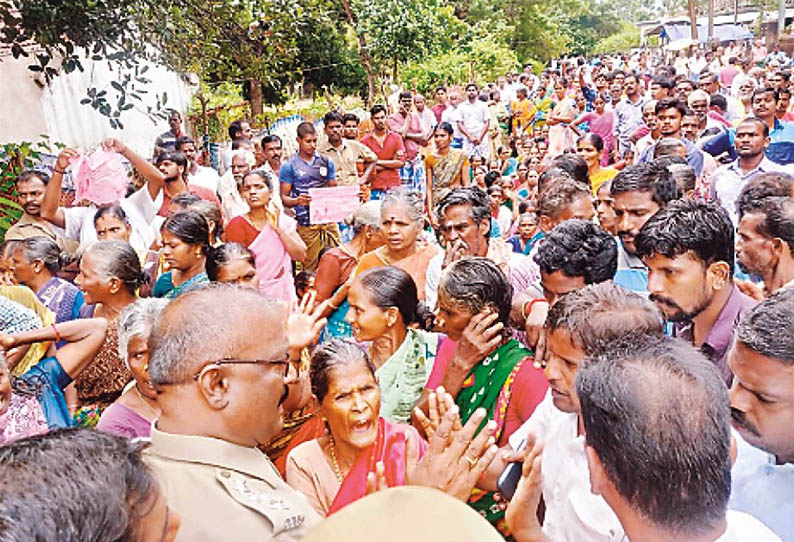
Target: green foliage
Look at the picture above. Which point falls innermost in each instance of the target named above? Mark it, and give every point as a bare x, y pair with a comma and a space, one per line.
406, 30
99, 29
482, 55
220, 101
628, 37
15, 158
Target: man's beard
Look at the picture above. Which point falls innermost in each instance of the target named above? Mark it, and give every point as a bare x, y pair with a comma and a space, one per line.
681, 315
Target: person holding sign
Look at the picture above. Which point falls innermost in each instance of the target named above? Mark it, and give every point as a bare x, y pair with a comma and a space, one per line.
308, 169
270, 235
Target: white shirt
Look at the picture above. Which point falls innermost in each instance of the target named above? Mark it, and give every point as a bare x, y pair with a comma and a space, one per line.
474, 116
451, 115
428, 120
728, 180
762, 488
205, 177
140, 210
573, 512
745, 528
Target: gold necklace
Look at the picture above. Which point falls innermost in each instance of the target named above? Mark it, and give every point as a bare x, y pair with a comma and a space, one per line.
334, 462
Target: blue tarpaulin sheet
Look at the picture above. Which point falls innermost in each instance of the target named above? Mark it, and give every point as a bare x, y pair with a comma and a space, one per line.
723, 32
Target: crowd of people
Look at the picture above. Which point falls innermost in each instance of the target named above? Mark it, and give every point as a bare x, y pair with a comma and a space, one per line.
564, 299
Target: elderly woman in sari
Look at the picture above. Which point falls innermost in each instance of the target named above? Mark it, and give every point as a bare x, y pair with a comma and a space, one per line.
337, 265
474, 299
331, 471
110, 275
34, 403
383, 304
271, 235
35, 263
448, 168
132, 414
402, 218
185, 244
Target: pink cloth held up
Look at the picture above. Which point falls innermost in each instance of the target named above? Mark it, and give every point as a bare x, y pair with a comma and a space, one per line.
99, 177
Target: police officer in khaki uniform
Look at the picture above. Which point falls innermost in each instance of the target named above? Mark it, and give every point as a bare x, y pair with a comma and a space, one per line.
220, 362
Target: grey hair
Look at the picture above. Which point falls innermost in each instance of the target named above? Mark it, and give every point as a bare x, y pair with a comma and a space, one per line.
44, 249
136, 320
206, 325
411, 201
247, 155
366, 215
766, 328
118, 259
602, 313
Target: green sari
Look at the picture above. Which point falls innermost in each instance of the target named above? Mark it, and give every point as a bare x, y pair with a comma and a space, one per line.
489, 385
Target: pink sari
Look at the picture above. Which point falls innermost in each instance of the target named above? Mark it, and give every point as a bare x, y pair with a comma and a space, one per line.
389, 448
273, 264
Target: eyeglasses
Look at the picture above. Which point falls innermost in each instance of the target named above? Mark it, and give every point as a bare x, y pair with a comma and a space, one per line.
231, 361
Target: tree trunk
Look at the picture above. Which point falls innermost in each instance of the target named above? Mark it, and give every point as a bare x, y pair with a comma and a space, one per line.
366, 60
693, 21
711, 20
256, 97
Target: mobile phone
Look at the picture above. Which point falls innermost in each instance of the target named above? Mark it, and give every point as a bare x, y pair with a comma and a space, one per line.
508, 480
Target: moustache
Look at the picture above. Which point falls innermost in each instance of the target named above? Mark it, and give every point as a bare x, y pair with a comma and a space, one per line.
739, 419
664, 301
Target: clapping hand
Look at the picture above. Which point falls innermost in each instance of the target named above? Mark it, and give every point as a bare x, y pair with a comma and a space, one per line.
439, 402
456, 458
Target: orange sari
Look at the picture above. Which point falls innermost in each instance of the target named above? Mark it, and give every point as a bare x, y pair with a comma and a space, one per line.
415, 264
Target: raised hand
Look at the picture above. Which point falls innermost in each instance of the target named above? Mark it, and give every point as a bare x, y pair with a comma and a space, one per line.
65, 159
455, 459
305, 324
114, 145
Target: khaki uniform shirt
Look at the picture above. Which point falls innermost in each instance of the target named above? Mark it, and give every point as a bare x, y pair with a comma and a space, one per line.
224, 491
345, 158
30, 226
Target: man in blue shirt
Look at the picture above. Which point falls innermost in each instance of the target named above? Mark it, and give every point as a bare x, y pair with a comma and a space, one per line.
781, 134
307, 169
762, 408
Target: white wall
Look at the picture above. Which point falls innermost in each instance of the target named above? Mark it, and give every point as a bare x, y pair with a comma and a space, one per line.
27, 110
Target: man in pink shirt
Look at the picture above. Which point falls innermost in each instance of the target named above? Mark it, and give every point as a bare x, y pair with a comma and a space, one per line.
408, 125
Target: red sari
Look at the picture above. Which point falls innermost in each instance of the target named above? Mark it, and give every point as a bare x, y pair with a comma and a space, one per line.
390, 449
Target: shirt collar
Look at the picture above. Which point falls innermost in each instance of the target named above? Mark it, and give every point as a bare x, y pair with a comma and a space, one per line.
720, 334
215, 452
763, 166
